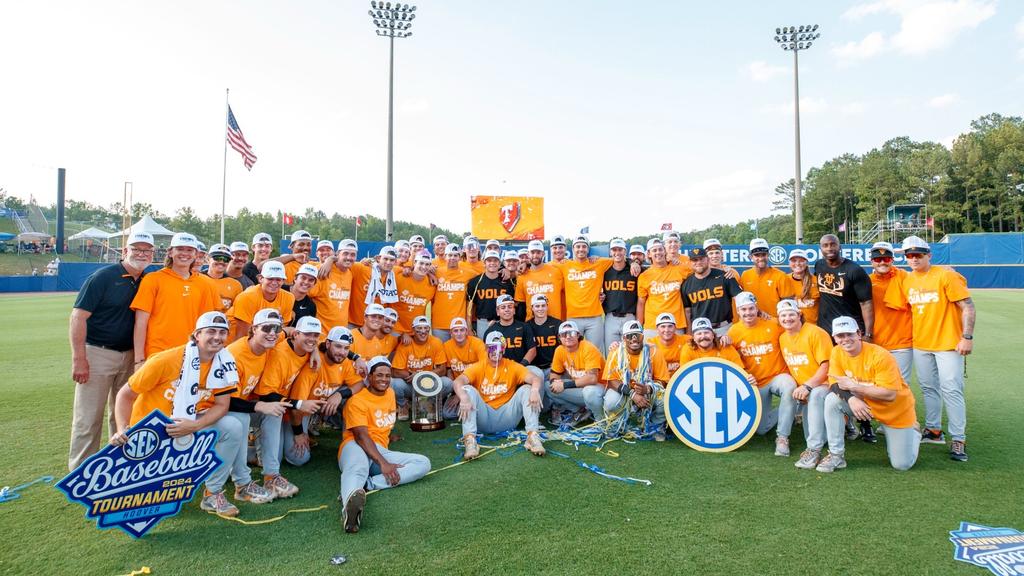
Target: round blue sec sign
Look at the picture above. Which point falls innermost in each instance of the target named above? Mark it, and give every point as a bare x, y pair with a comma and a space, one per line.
711, 406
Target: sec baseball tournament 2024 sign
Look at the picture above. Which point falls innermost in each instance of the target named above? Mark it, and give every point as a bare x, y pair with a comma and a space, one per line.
711, 407
1001, 550
507, 217
132, 487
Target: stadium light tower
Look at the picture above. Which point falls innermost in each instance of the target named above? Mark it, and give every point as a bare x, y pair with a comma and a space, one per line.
795, 39
393, 20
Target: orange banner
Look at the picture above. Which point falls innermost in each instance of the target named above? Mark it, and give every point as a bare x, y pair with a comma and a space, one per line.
507, 217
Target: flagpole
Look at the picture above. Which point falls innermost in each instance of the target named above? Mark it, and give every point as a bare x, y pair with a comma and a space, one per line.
224, 179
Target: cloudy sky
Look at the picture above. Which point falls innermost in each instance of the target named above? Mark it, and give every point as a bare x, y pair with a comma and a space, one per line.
621, 115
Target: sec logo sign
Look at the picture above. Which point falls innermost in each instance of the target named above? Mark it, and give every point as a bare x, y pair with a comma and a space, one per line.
711, 406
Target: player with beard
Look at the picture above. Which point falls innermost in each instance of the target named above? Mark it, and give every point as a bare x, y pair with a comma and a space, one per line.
482, 292
844, 286
708, 293
324, 250
766, 282
638, 255
635, 372
705, 344
893, 328
543, 279
301, 246
239, 262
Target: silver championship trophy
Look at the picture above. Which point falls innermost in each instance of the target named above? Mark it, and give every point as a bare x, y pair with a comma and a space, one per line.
427, 403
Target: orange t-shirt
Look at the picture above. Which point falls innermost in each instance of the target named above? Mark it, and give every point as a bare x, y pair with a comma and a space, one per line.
320, 384
932, 297
769, 288
174, 304
361, 274
659, 368
250, 366
689, 354
808, 306
546, 280
875, 365
894, 329
376, 413
155, 382
370, 347
292, 268
450, 296
252, 300
477, 267
415, 357
283, 367
659, 287
672, 350
576, 364
498, 384
332, 295
582, 281
413, 297
461, 357
805, 352
227, 290
758, 345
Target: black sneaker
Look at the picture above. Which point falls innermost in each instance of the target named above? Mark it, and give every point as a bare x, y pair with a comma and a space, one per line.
867, 433
958, 451
933, 437
352, 511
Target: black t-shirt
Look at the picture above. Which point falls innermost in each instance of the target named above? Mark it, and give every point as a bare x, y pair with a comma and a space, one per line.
107, 294
251, 272
483, 292
518, 339
546, 337
619, 291
842, 289
301, 309
244, 280
710, 297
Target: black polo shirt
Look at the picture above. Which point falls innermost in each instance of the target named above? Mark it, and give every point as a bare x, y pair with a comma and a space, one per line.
107, 294
619, 291
518, 339
546, 337
710, 297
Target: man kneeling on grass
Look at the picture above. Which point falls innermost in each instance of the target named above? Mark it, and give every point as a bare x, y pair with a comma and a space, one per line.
364, 458
867, 384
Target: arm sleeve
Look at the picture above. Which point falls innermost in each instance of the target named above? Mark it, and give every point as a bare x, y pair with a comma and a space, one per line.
241, 405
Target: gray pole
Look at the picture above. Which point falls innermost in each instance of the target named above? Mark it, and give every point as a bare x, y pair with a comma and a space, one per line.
390, 224
798, 204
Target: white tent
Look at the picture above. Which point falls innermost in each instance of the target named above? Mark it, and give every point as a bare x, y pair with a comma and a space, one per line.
91, 234
145, 224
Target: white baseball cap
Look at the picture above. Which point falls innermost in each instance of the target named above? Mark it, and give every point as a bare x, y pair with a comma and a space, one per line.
509, 255
309, 325
451, 249
581, 239
787, 305
745, 299
568, 326
200, 246
636, 249
420, 321
326, 243
273, 269
141, 238
267, 316
535, 245
492, 243
914, 245
617, 243
458, 322
844, 325
671, 234
184, 240
212, 320
558, 241
340, 334
758, 245
538, 298
699, 324
239, 247
221, 249
439, 238
522, 252
374, 310
632, 327
416, 239
388, 251
348, 244
391, 313
308, 269
665, 318
300, 235
401, 244
424, 256
470, 241
504, 299
262, 238
377, 361
492, 254
712, 242
798, 253
654, 242
494, 339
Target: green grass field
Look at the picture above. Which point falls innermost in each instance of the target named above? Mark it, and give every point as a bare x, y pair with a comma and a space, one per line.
746, 512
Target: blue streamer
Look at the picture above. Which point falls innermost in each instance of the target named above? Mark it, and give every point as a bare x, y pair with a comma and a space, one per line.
7, 493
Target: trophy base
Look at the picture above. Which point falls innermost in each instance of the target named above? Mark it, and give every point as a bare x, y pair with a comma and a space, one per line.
424, 425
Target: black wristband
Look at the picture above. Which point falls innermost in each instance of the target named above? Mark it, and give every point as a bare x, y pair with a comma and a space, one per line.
345, 392
297, 429
809, 388
524, 362
353, 356
566, 384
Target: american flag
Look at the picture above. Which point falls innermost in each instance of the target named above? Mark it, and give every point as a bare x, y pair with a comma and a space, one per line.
238, 142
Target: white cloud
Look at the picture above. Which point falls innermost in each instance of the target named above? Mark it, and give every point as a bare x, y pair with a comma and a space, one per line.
943, 101
808, 106
925, 25
761, 71
1020, 29
871, 45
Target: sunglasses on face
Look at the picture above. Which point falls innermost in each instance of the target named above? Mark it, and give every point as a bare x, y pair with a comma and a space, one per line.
222, 259
914, 256
271, 328
634, 336
882, 260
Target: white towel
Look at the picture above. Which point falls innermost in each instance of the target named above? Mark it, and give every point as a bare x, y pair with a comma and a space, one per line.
186, 390
386, 290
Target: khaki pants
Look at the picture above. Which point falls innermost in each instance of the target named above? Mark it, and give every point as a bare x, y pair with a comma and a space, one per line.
108, 371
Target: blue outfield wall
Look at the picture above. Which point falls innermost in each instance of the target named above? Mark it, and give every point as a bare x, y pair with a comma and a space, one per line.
985, 260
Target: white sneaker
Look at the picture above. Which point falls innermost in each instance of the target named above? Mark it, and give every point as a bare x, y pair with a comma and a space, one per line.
782, 446
831, 462
808, 459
